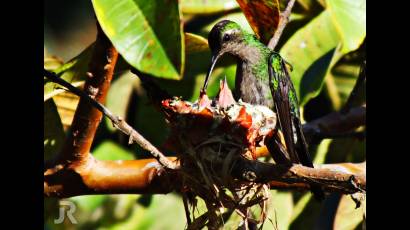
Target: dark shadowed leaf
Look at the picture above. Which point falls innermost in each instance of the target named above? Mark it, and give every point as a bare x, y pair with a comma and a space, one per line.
147, 34
53, 130
263, 16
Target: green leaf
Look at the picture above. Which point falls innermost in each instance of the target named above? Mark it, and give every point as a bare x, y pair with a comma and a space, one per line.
345, 76
347, 216
310, 51
119, 96
195, 43
89, 203
280, 210
53, 130
349, 17
52, 63
147, 34
164, 212
73, 71
206, 6
109, 150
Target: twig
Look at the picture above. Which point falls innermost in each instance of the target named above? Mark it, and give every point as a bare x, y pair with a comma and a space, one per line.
117, 121
335, 124
284, 19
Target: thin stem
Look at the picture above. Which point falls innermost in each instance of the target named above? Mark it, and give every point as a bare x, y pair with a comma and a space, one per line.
284, 19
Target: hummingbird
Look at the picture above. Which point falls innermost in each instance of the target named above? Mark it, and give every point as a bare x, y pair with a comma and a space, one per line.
262, 78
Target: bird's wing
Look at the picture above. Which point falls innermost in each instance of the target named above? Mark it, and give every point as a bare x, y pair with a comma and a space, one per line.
287, 108
280, 89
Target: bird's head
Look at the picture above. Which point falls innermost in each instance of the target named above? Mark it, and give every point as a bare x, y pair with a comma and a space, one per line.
225, 37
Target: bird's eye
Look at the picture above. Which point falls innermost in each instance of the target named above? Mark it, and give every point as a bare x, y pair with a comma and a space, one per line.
226, 37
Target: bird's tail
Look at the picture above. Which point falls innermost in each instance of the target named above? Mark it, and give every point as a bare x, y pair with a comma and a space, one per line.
305, 159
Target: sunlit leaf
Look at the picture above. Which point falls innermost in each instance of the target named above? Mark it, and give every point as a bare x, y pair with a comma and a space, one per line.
66, 103
280, 210
263, 16
195, 43
72, 71
349, 16
52, 63
347, 216
206, 6
147, 34
310, 50
109, 150
164, 212
89, 203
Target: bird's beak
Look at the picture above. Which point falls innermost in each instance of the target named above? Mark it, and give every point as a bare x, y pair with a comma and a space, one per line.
214, 59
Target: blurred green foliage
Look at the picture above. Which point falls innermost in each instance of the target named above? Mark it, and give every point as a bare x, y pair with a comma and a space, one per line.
324, 42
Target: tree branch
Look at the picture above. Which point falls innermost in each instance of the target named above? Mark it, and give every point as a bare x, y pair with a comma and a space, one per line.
336, 123
344, 178
87, 117
108, 177
149, 177
284, 19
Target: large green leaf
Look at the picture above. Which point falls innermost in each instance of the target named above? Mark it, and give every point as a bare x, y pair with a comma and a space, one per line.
310, 50
349, 16
206, 6
53, 130
147, 34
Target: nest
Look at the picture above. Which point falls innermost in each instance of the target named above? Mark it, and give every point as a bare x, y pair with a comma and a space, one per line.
209, 135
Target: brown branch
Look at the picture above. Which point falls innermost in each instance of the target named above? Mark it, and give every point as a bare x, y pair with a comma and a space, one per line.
149, 177
284, 19
117, 121
335, 123
87, 118
333, 177
108, 177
